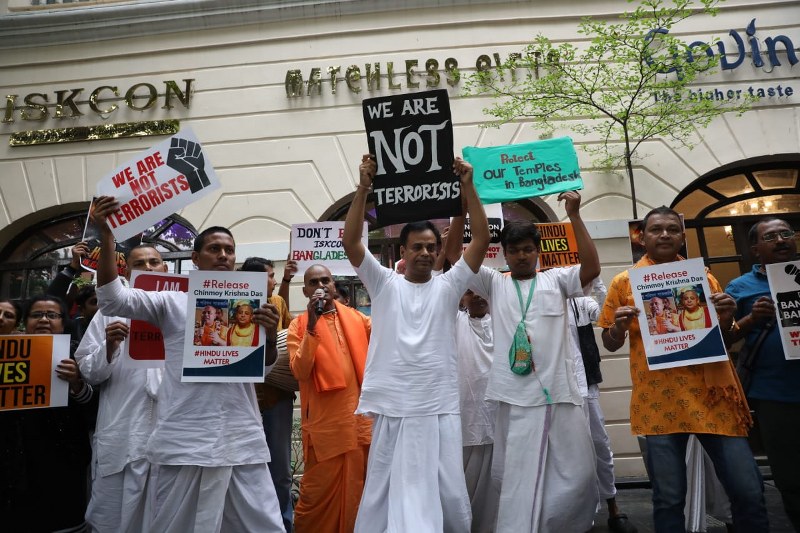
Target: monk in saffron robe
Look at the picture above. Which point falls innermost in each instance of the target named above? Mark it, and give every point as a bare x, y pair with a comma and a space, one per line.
327, 353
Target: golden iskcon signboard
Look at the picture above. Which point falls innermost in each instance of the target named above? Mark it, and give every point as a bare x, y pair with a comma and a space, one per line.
103, 101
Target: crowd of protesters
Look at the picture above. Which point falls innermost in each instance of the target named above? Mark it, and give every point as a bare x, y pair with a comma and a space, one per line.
467, 401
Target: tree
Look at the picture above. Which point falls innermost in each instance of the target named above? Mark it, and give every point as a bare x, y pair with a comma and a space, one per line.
630, 84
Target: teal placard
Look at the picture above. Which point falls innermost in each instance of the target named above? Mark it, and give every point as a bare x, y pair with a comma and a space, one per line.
515, 171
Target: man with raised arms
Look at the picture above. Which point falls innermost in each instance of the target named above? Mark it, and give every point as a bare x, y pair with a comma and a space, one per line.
415, 476
543, 452
125, 417
208, 440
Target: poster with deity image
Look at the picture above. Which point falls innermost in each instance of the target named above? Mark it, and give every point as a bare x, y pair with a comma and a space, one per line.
678, 322
223, 344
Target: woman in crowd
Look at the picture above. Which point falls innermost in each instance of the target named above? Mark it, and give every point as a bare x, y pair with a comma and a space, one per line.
44, 452
244, 332
10, 313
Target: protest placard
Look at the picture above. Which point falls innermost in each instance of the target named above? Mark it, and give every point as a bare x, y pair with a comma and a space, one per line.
321, 243
558, 248
516, 171
28, 371
144, 347
494, 257
222, 343
157, 183
678, 323
411, 136
91, 236
784, 284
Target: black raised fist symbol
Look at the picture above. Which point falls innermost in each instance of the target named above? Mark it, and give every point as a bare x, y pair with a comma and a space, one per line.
187, 158
793, 271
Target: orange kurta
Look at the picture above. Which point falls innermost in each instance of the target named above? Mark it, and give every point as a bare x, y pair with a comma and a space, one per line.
335, 440
677, 400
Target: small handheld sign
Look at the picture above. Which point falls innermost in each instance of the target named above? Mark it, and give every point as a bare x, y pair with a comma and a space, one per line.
157, 183
517, 171
411, 136
144, 347
676, 316
223, 344
559, 247
494, 257
784, 286
28, 371
321, 242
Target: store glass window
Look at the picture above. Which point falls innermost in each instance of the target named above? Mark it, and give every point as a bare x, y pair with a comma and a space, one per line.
721, 207
34, 257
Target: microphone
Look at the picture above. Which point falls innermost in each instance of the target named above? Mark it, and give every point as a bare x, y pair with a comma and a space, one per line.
320, 293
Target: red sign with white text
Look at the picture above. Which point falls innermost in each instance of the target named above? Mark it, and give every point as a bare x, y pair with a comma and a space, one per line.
145, 346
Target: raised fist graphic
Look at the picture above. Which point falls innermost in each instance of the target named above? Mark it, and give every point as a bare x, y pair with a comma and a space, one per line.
187, 158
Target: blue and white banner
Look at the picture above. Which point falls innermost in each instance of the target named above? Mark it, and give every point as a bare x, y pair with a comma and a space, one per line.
223, 344
678, 322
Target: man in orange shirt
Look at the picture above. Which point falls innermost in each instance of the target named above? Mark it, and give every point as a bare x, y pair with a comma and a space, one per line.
327, 353
669, 405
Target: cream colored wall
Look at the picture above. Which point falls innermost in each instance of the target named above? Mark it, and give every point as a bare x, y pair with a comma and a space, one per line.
284, 161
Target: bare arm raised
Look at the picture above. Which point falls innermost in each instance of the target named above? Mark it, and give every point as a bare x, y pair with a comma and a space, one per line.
590, 262
107, 264
351, 240
479, 225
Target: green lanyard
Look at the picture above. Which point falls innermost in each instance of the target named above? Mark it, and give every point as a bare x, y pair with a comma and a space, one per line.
530, 296
520, 355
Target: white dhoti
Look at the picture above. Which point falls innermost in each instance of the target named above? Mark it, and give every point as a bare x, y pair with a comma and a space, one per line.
215, 499
602, 449
415, 477
544, 461
484, 494
118, 500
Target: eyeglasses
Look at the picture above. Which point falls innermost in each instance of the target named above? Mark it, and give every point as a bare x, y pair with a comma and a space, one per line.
50, 315
785, 234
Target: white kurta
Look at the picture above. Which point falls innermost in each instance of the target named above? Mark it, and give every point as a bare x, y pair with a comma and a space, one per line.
126, 413
125, 419
546, 481
588, 312
546, 324
200, 424
474, 344
411, 367
211, 431
415, 478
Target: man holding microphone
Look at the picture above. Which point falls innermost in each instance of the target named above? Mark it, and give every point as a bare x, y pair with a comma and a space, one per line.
327, 353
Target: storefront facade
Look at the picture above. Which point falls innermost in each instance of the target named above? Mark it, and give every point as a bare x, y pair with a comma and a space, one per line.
274, 91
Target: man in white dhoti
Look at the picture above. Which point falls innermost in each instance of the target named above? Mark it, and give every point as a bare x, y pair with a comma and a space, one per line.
474, 347
208, 441
543, 452
415, 477
582, 312
125, 416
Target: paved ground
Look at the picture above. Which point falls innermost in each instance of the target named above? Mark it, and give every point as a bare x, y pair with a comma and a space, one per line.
636, 503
